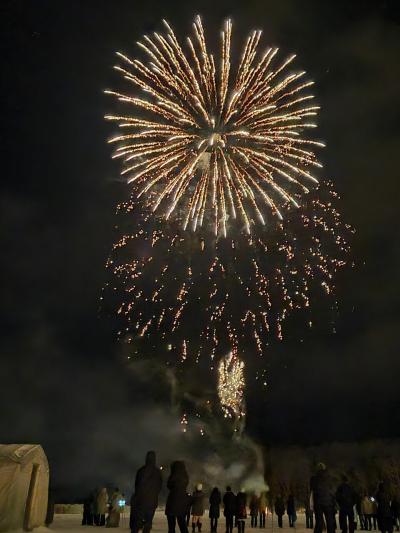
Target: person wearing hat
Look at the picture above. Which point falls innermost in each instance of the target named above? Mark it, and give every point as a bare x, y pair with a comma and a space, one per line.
197, 507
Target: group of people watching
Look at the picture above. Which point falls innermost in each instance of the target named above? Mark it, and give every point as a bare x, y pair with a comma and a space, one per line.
182, 508
382, 510
99, 509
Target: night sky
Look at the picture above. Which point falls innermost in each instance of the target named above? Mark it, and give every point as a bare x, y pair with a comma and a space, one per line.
63, 384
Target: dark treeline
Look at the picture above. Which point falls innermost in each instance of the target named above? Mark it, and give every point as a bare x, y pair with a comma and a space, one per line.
288, 470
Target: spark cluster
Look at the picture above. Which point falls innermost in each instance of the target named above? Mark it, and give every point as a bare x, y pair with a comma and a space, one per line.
231, 385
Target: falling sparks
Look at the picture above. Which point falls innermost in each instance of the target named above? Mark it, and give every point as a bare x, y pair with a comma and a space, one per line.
228, 231
231, 386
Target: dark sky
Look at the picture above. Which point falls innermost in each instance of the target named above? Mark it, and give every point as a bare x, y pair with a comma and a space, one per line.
62, 384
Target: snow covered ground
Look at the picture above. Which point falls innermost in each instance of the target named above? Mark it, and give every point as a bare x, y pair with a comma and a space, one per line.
71, 523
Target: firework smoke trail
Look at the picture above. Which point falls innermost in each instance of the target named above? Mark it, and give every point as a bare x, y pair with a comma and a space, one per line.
227, 230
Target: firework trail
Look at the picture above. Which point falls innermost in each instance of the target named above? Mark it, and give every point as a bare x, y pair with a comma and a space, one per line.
227, 230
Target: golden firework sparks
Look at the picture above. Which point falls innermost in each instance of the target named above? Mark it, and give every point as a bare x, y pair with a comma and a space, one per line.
216, 142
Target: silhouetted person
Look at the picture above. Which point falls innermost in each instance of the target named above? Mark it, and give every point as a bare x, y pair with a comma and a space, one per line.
262, 507
241, 511
323, 500
254, 505
309, 513
177, 501
88, 506
385, 519
197, 508
395, 508
291, 510
229, 508
346, 499
279, 509
215, 502
144, 500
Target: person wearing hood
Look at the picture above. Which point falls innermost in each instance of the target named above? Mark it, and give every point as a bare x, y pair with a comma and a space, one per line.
241, 510
177, 501
215, 502
144, 500
323, 495
197, 507
229, 508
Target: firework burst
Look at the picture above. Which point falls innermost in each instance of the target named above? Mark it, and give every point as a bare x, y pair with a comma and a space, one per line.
216, 144
222, 238
231, 385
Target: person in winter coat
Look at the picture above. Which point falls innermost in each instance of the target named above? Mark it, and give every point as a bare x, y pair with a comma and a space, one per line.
367, 509
323, 495
229, 508
177, 501
101, 504
395, 508
144, 500
241, 511
254, 505
279, 509
309, 513
114, 512
197, 507
291, 510
346, 499
262, 508
385, 519
88, 504
215, 502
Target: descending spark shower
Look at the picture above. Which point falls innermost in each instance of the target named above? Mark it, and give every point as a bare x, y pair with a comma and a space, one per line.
228, 229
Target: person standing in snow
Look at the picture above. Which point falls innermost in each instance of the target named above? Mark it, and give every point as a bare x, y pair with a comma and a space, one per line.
323, 495
114, 512
279, 510
177, 501
101, 507
346, 499
197, 507
215, 502
385, 518
254, 505
229, 508
262, 507
291, 510
241, 510
144, 500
